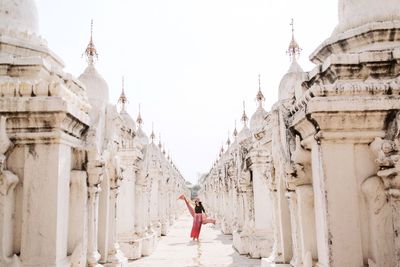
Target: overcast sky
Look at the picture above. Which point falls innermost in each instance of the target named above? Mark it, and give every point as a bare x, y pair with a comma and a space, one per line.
189, 63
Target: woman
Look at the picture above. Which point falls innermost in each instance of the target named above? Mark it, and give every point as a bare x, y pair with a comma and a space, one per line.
199, 217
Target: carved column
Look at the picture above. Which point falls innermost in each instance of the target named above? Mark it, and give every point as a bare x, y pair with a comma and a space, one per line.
140, 210
301, 204
263, 221
95, 176
8, 181
115, 256
306, 224
78, 217
296, 254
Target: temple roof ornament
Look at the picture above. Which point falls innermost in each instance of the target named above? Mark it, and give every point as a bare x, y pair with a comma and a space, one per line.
96, 87
257, 119
221, 150
122, 98
245, 119
235, 132
152, 135
260, 97
159, 141
139, 119
91, 51
294, 75
294, 48
228, 142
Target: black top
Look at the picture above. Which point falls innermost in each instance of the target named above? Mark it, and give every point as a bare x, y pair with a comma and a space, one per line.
199, 208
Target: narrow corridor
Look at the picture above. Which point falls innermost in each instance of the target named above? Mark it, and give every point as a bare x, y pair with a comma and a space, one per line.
177, 250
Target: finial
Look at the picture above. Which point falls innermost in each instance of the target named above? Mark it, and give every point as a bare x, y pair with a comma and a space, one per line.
294, 49
235, 132
139, 119
244, 116
122, 98
228, 142
159, 141
152, 135
91, 52
163, 149
260, 97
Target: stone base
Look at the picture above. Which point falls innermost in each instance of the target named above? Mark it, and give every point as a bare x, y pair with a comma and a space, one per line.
164, 228
241, 243
132, 248
260, 245
156, 227
226, 228
265, 262
120, 263
149, 243
116, 258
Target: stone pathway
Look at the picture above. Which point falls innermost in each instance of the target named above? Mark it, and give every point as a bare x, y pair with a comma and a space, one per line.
177, 250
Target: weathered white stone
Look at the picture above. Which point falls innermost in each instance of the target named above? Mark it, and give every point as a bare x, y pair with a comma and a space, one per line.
70, 164
333, 139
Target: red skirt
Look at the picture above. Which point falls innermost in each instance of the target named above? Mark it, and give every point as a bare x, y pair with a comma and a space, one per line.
196, 228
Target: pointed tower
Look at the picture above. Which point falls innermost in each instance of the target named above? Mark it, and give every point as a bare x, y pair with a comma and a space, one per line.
91, 51
96, 87
245, 131
159, 142
244, 118
139, 119
291, 81
235, 132
257, 120
141, 135
228, 141
152, 135
123, 100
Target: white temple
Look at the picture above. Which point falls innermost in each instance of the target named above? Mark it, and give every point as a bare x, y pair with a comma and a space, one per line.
315, 180
80, 183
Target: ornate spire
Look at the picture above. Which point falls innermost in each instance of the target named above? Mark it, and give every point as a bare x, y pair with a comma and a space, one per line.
152, 135
122, 98
159, 141
221, 151
91, 52
244, 116
139, 119
228, 142
260, 97
294, 48
235, 132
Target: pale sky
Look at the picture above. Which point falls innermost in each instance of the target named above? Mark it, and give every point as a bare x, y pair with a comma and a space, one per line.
190, 64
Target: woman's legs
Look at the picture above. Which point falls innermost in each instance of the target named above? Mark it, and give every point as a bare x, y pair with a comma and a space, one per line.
190, 208
196, 228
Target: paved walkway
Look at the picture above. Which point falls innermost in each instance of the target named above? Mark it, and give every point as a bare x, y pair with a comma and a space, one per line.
177, 250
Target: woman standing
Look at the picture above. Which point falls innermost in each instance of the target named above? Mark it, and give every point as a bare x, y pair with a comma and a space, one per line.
199, 217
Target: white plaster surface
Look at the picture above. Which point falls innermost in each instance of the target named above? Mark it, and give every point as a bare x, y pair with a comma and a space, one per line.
177, 250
